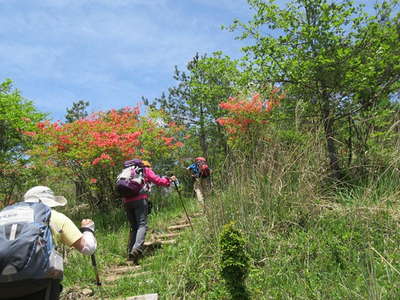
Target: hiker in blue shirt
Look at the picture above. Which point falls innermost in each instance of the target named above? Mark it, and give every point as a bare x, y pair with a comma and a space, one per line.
201, 174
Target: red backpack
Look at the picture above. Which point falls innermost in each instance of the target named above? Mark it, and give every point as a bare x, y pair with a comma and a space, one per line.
204, 170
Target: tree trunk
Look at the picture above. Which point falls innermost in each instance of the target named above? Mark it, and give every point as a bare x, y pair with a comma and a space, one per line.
223, 141
79, 190
203, 137
328, 121
350, 142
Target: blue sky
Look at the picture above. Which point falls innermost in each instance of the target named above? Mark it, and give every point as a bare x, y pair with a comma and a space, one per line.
108, 52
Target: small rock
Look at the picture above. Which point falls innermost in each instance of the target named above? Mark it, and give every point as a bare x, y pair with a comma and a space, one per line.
87, 292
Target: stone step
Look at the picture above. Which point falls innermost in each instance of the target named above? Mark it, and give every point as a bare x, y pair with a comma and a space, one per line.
143, 297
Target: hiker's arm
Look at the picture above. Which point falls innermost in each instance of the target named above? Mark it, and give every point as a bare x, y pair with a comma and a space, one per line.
154, 178
87, 243
191, 170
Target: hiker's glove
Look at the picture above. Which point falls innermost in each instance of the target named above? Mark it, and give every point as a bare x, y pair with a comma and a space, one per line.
90, 243
87, 225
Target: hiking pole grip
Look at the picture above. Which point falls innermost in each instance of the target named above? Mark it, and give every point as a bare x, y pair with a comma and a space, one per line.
184, 208
94, 264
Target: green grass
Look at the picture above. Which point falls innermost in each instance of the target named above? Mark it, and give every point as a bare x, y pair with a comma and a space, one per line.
112, 233
337, 245
305, 242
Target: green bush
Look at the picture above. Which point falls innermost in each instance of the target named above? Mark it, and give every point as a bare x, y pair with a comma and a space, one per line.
234, 261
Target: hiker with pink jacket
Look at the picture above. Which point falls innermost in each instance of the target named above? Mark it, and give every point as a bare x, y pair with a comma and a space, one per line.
137, 207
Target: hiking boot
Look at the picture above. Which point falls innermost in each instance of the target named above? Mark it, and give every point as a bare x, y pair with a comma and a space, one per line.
133, 259
134, 256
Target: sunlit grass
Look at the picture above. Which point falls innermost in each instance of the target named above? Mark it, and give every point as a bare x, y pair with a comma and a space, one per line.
308, 237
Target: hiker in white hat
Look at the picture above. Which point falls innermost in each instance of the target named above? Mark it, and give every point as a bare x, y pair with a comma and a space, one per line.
45, 195
63, 231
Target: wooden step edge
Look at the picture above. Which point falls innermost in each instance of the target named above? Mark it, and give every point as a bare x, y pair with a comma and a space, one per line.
123, 269
159, 243
175, 227
166, 235
168, 242
183, 221
196, 215
116, 277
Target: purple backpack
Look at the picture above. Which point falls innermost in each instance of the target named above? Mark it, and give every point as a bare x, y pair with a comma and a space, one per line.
131, 182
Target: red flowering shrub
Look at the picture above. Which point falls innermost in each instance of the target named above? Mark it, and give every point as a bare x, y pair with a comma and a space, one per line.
248, 113
93, 149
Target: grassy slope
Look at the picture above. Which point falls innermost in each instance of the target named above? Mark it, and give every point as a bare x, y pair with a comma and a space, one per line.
304, 243
167, 265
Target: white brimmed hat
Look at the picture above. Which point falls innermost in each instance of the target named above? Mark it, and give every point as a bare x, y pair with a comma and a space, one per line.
45, 195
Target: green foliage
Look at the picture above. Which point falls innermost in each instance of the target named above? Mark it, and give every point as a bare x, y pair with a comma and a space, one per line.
168, 266
309, 240
234, 261
91, 151
305, 242
77, 111
194, 101
18, 118
17, 115
334, 59
308, 237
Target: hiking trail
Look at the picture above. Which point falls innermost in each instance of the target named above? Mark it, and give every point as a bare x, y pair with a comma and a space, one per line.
111, 274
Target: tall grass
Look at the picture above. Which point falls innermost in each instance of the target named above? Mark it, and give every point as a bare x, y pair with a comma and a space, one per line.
166, 265
311, 238
308, 237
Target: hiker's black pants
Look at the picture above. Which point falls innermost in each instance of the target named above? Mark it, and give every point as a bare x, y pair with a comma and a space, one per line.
137, 212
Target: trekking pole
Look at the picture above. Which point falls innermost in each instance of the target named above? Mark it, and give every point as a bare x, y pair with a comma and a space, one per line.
184, 208
98, 283
94, 264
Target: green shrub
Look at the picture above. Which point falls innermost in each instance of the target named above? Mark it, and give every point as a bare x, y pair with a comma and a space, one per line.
234, 261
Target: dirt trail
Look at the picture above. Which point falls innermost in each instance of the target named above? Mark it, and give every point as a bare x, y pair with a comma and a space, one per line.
155, 240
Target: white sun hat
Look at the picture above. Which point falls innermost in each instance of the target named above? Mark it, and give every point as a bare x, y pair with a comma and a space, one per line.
45, 195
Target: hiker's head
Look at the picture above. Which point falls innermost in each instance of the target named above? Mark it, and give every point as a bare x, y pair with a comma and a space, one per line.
45, 195
199, 159
146, 163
